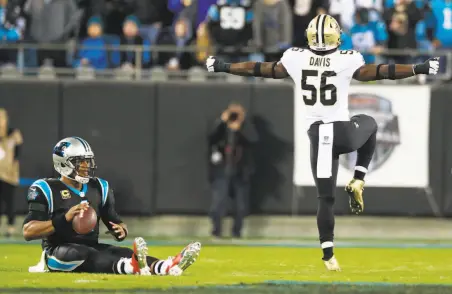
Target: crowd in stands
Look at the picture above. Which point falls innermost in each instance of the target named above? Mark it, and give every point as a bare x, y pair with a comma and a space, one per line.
93, 30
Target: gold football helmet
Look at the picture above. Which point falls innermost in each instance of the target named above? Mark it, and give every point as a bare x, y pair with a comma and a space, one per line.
323, 33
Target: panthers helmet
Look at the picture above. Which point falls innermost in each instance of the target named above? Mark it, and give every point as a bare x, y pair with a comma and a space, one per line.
323, 33
68, 155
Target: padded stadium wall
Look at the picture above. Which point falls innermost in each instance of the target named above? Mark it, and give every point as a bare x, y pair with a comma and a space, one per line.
150, 142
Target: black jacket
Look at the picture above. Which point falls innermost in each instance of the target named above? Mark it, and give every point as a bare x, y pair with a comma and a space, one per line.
236, 149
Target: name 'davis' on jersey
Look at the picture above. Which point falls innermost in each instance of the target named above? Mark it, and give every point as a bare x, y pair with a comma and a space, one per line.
319, 61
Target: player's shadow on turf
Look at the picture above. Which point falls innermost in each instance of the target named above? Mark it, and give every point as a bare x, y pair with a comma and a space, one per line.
268, 153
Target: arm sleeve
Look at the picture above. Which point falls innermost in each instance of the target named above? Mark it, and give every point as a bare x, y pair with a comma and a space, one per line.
108, 213
37, 205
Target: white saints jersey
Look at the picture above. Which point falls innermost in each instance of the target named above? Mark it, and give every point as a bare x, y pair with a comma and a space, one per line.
324, 81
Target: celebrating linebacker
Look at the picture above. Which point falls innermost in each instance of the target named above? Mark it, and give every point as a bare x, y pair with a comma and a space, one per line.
323, 74
53, 205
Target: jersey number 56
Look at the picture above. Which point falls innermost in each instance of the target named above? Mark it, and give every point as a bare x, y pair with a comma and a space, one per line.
312, 98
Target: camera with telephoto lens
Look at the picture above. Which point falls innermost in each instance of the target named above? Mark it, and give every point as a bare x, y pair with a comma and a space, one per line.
233, 116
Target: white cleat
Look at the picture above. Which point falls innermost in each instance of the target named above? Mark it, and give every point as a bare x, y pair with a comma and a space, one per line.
180, 262
332, 264
139, 258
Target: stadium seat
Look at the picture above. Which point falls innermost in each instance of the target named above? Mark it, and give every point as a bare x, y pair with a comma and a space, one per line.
47, 72
234, 79
158, 74
124, 74
85, 73
197, 74
9, 71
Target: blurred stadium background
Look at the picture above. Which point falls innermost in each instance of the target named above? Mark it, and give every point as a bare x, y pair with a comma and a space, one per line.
128, 76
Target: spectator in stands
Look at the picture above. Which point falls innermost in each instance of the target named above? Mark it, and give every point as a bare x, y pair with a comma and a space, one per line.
371, 5
401, 21
272, 27
115, 12
346, 42
440, 23
9, 33
189, 25
229, 24
52, 21
230, 167
304, 12
10, 142
93, 49
153, 16
343, 16
368, 37
131, 37
90, 8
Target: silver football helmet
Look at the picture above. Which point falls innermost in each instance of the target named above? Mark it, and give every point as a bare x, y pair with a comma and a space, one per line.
74, 159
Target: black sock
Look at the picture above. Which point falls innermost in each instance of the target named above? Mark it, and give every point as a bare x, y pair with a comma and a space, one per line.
359, 175
327, 253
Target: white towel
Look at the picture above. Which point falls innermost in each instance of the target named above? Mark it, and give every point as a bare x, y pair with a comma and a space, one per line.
325, 154
40, 267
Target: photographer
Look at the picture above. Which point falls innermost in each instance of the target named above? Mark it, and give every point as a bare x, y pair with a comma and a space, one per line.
230, 167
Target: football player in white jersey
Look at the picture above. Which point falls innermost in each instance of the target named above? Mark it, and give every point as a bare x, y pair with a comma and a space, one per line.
323, 74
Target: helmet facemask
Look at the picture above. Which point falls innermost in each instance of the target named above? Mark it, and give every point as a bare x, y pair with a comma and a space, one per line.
80, 168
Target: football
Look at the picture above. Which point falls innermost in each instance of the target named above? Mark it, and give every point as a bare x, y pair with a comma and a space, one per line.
86, 223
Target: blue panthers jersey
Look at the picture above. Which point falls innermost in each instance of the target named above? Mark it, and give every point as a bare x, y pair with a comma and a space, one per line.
441, 21
230, 21
419, 3
365, 37
346, 42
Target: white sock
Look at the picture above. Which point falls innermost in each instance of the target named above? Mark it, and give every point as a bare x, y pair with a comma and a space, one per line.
161, 266
124, 266
361, 169
327, 244
128, 266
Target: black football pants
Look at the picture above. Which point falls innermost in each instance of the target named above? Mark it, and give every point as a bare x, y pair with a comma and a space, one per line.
358, 134
99, 258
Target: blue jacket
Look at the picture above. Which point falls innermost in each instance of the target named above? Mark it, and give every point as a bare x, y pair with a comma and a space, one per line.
99, 58
346, 43
441, 21
7, 34
365, 37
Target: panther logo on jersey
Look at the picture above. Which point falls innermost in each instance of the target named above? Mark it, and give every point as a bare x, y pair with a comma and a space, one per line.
388, 135
32, 193
59, 150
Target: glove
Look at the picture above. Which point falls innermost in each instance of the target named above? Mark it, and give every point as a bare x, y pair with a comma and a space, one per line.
216, 65
429, 67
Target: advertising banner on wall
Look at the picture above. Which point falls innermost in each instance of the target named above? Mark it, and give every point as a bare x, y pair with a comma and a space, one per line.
402, 152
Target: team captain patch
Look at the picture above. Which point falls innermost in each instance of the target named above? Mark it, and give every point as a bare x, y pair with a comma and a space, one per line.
65, 194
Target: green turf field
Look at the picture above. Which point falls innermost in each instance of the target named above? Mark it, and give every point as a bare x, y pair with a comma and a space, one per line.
250, 269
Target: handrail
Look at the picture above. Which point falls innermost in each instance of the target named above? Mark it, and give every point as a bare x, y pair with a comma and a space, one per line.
72, 46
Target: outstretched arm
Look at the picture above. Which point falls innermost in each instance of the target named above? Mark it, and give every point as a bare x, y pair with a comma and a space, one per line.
273, 70
373, 72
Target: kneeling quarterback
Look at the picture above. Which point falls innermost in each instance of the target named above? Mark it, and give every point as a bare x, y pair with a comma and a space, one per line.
54, 202
323, 74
